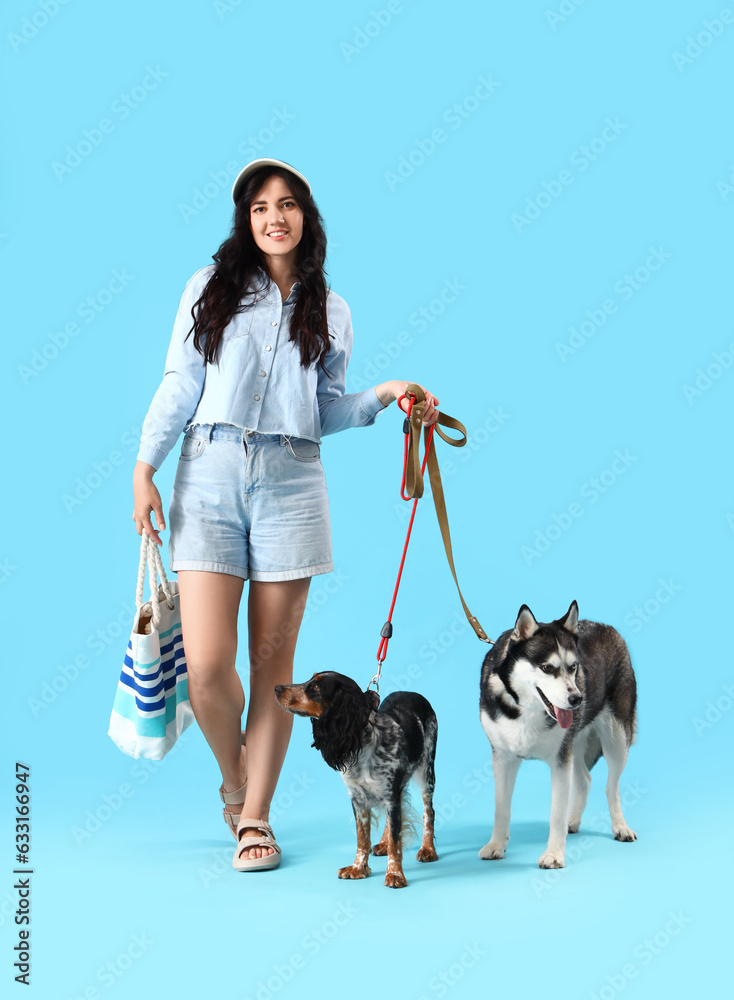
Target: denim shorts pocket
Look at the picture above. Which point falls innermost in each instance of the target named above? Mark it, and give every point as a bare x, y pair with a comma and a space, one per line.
191, 448
302, 449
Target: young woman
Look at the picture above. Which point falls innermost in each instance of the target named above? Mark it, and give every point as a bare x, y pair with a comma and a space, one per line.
255, 376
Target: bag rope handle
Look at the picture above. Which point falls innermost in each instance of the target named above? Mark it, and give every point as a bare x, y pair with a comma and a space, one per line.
150, 552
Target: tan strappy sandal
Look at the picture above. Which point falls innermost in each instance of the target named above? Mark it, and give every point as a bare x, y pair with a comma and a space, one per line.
266, 839
234, 798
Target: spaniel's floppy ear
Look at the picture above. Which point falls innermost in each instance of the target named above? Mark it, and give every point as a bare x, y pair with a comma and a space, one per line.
525, 626
338, 732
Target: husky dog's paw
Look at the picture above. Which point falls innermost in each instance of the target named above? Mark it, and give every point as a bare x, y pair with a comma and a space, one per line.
427, 854
624, 833
354, 871
493, 851
573, 826
395, 880
551, 860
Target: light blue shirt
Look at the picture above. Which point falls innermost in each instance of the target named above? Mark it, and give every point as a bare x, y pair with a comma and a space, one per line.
259, 382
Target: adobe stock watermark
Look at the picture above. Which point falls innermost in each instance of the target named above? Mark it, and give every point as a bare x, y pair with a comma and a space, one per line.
705, 377
120, 110
726, 188
641, 614
476, 439
88, 309
420, 319
580, 159
366, 33
696, 45
625, 288
445, 979
221, 180
454, 117
714, 711
66, 674
429, 653
311, 944
447, 807
111, 972
644, 953
592, 490
6, 569
318, 596
224, 7
31, 25
579, 844
102, 470
566, 9
112, 802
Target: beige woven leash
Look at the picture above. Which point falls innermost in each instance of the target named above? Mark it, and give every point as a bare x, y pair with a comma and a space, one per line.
414, 479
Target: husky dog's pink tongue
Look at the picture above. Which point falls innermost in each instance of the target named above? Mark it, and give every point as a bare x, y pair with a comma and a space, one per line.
564, 716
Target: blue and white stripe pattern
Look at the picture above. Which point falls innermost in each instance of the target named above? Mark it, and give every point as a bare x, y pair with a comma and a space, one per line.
151, 705
146, 688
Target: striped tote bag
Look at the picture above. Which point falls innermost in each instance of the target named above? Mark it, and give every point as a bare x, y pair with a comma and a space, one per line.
151, 707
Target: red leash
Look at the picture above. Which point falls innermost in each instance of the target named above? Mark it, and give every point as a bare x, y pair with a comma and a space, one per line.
386, 631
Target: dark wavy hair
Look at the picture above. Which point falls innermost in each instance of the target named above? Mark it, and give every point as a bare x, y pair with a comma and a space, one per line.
339, 731
235, 283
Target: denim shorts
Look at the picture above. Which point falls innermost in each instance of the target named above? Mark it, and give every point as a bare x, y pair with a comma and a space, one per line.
249, 504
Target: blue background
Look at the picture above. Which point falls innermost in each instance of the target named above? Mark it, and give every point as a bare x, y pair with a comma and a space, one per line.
124, 848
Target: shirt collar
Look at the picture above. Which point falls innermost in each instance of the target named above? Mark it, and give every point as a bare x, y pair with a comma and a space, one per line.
266, 275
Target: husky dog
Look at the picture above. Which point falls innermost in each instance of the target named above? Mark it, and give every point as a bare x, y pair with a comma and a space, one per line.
563, 692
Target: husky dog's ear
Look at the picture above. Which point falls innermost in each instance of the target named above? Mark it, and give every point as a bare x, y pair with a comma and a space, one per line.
525, 626
571, 621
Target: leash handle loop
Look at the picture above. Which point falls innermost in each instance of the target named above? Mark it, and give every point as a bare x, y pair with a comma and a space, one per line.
412, 482
414, 478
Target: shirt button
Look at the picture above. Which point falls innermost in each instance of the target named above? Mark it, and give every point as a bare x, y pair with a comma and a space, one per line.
274, 323
250, 434
263, 374
257, 397
268, 348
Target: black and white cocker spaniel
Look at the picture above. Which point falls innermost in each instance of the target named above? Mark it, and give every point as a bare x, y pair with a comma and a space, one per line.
377, 748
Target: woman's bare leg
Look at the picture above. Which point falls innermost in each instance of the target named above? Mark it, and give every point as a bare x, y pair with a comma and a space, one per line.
275, 611
209, 606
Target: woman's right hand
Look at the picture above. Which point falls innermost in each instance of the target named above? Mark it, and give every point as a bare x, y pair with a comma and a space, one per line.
147, 499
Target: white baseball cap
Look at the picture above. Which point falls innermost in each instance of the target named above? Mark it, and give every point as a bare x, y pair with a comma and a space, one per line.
253, 165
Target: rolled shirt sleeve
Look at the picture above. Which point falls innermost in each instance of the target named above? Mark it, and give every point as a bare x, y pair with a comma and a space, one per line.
339, 409
178, 395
